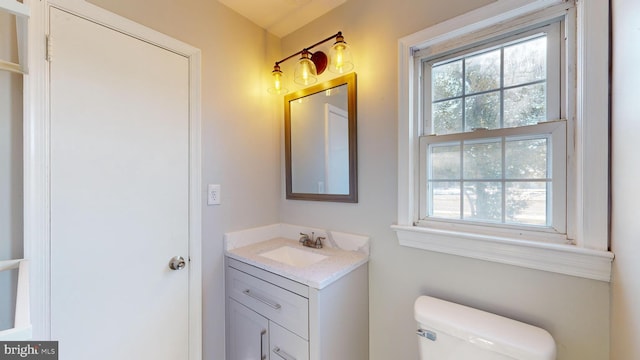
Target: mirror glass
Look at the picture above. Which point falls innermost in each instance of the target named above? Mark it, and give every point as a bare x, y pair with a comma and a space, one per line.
320, 142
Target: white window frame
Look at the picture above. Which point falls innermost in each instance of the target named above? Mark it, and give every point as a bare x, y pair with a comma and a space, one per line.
556, 232
554, 126
586, 254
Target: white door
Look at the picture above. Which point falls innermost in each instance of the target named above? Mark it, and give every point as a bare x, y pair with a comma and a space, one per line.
336, 147
119, 194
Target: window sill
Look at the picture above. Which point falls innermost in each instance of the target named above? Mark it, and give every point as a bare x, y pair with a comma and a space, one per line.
556, 258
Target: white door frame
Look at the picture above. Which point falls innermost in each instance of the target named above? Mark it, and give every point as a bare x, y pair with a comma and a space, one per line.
37, 232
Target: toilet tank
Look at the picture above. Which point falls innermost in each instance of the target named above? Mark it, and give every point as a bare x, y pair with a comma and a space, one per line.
449, 331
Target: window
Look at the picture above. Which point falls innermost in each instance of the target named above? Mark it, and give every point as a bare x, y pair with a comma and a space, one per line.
493, 144
502, 136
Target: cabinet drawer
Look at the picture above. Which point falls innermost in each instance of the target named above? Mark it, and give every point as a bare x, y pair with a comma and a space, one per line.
285, 345
273, 302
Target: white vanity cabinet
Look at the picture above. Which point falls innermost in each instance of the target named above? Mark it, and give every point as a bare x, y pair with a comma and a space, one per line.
247, 332
273, 317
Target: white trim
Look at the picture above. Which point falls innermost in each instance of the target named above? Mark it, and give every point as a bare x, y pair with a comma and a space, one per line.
36, 172
556, 258
492, 14
195, 206
589, 203
592, 136
103, 17
37, 156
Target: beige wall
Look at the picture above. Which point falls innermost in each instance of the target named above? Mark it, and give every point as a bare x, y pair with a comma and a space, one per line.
574, 310
10, 168
625, 234
240, 137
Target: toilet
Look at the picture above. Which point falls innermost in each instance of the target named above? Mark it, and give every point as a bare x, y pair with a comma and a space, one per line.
449, 331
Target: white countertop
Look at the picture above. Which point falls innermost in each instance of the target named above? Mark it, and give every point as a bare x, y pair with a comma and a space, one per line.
318, 275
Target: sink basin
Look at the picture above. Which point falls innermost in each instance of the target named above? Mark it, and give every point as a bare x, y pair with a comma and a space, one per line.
293, 256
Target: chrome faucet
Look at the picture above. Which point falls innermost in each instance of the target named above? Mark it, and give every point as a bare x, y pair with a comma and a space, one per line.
307, 241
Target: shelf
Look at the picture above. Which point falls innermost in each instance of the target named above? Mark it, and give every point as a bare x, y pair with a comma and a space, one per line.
22, 321
21, 11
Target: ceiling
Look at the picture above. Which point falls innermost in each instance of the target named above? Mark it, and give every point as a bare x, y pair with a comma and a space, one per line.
282, 17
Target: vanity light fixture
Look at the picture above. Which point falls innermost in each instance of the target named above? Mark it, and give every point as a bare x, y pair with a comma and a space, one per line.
306, 70
278, 81
340, 55
310, 65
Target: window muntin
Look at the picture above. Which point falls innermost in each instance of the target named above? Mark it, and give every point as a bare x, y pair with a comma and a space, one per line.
487, 156
502, 180
496, 87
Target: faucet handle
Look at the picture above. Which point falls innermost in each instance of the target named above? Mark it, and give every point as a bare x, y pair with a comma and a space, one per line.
318, 243
303, 237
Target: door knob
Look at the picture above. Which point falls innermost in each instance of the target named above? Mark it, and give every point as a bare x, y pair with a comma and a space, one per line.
177, 263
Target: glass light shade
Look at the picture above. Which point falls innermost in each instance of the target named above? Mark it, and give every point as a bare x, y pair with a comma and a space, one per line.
278, 85
340, 57
305, 73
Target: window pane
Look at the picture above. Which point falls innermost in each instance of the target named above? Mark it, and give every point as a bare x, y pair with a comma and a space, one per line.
447, 80
526, 159
445, 199
483, 201
482, 72
525, 62
526, 105
447, 117
491, 176
482, 111
526, 203
445, 162
483, 160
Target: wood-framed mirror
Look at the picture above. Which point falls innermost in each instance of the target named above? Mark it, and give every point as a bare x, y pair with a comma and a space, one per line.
320, 142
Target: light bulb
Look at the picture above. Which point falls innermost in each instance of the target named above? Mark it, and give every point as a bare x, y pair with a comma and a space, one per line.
340, 55
278, 82
305, 73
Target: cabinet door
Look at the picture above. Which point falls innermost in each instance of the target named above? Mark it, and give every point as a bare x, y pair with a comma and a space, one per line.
248, 337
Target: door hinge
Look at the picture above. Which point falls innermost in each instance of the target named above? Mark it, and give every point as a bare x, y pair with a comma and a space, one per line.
47, 55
